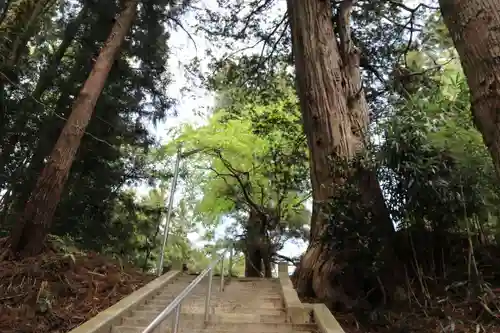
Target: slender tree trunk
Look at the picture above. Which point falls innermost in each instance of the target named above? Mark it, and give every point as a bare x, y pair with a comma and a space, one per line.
28, 29
4, 9
335, 118
49, 129
474, 26
17, 25
28, 235
31, 103
149, 248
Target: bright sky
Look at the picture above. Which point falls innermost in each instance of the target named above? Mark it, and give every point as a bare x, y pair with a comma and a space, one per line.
190, 103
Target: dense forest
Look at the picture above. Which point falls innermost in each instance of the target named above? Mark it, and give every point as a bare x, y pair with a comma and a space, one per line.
367, 129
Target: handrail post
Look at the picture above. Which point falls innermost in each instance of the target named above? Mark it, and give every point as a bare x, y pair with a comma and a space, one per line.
176, 318
222, 274
169, 211
209, 292
230, 268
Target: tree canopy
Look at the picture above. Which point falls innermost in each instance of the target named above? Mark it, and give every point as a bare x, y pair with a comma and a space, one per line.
359, 127
251, 156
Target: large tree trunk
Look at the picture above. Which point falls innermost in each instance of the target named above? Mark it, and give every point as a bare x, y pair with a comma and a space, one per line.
253, 262
257, 248
29, 234
335, 118
474, 26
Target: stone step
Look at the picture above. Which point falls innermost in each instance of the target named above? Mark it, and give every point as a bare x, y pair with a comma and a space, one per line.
250, 292
271, 313
263, 281
198, 319
223, 306
255, 285
226, 328
218, 298
240, 311
170, 295
176, 288
243, 287
245, 306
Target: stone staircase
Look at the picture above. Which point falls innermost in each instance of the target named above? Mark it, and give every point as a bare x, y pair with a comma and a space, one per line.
246, 305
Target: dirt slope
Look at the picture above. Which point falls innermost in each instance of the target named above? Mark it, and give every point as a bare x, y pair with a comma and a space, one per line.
55, 292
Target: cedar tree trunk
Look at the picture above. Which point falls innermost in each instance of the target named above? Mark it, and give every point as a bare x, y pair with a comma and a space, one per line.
474, 26
335, 119
28, 234
44, 82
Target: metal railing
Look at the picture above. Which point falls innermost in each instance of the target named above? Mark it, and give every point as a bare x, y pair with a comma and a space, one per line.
176, 304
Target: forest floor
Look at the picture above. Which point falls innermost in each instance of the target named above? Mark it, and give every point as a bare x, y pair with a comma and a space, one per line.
436, 287
59, 290
62, 288
429, 312
439, 318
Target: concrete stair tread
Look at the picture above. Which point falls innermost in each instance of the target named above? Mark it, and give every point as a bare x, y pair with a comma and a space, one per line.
247, 305
218, 310
277, 317
224, 307
220, 298
249, 327
265, 303
197, 319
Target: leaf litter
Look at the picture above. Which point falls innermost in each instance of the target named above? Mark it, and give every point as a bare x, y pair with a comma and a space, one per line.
57, 291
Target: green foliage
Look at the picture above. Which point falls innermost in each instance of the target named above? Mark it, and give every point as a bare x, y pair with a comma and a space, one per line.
251, 156
115, 150
137, 230
436, 168
199, 259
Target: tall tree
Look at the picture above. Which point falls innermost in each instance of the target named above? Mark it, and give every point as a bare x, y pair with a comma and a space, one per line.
335, 118
474, 26
256, 176
44, 83
18, 24
29, 233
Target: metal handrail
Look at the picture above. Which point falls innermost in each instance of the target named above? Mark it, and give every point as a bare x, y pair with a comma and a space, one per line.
177, 302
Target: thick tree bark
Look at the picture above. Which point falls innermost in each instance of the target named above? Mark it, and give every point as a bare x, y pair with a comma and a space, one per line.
258, 250
28, 235
335, 118
474, 26
253, 263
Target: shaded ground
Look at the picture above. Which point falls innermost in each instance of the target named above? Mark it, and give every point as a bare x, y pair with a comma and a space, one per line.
55, 292
437, 319
438, 285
